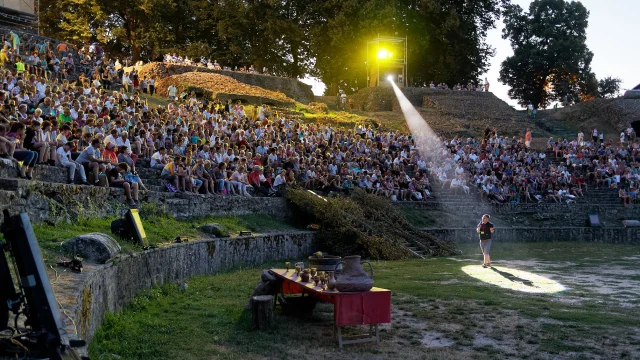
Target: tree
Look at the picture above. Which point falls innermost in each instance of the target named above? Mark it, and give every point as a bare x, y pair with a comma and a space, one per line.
326, 39
551, 61
449, 38
446, 39
609, 87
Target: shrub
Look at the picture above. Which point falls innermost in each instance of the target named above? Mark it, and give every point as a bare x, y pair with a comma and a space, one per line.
318, 108
363, 224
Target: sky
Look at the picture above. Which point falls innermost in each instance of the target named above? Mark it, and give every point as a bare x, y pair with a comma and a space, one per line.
611, 36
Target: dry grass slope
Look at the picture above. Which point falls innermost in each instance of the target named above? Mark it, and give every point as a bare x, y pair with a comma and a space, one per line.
215, 85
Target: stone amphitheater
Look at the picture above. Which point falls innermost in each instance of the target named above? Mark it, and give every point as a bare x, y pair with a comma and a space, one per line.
102, 288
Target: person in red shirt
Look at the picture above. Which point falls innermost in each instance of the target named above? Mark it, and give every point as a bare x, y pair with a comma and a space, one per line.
259, 182
257, 160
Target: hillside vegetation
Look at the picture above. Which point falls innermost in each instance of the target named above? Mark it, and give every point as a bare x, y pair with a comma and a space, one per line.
221, 86
290, 87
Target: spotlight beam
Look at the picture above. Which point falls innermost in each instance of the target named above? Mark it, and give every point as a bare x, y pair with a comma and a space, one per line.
426, 140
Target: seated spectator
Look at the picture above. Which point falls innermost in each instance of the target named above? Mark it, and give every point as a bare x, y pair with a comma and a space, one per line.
239, 181
20, 153
124, 156
34, 141
64, 159
116, 177
280, 180
259, 182
90, 159
170, 174
158, 160
200, 173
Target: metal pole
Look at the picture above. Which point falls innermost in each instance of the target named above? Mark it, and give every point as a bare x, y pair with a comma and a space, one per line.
38, 14
378, 61
367, 63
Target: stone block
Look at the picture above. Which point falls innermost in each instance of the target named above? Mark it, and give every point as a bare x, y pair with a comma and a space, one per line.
215, 229
95, 247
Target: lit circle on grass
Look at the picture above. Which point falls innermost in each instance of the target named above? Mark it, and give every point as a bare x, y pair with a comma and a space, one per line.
513, 279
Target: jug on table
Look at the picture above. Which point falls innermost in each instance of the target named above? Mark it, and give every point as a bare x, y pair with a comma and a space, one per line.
353, 278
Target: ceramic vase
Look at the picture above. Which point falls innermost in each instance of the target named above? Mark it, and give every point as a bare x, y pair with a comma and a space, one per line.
353, 278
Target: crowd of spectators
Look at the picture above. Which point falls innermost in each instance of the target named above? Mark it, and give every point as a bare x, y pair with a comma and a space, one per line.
214, 65
221, 148
458, 87
506, 170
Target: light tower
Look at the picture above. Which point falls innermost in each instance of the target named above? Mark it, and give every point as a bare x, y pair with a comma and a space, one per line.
387, 56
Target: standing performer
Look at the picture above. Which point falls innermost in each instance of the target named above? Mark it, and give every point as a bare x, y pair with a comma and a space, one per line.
485, 229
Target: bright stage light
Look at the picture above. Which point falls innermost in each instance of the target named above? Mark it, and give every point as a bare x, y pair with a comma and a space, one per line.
514, 279
384, 54
390, 78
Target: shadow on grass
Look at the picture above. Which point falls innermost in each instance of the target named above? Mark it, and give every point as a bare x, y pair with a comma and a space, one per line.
513, 278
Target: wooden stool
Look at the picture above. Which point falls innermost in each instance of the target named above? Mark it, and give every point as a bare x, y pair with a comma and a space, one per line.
261, 311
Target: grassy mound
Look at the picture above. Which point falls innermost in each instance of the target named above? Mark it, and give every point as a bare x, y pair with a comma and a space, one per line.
213, 85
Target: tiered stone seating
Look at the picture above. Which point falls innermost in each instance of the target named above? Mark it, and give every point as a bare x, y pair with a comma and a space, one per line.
48, 198
469, 104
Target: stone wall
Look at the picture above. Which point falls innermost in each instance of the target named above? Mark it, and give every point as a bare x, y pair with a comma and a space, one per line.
100, 289
578, 209
528, 234
55, 202
462, 104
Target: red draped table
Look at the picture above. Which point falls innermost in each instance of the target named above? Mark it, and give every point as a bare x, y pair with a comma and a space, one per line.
371, 308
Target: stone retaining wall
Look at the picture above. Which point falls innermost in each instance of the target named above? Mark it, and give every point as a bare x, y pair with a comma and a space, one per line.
100, 289
528, 234
474, 208
54, 202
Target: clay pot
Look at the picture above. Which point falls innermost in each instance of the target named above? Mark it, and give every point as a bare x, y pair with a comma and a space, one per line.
353, 278
304, 276
331, 282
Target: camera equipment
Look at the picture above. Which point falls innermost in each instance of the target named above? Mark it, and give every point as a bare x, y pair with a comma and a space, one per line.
33, 298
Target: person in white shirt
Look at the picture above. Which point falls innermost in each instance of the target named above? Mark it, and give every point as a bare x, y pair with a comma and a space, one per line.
63, 156
458, 183
126, 82
157, 159
280, 179
123, 140
542, 156
173, 92
110, 141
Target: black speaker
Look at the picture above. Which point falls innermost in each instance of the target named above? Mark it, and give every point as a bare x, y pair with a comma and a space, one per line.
594, 220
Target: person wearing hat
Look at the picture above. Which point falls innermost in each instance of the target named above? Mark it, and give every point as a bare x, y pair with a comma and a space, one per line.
485, 229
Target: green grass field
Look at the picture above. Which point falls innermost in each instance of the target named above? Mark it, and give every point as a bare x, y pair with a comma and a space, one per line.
439, 312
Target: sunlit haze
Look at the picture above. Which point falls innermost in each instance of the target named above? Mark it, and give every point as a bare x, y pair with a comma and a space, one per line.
611, 36
427, 142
